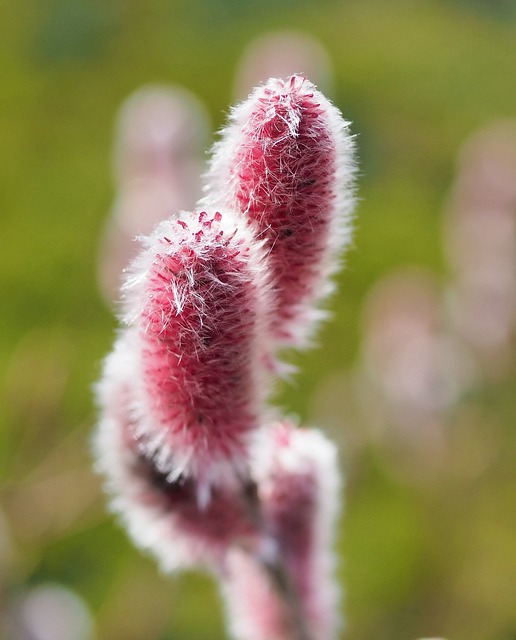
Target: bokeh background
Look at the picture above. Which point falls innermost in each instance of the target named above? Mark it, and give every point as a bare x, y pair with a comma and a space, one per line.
422, 404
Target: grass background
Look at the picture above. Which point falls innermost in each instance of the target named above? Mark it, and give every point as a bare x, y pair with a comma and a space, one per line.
416, 78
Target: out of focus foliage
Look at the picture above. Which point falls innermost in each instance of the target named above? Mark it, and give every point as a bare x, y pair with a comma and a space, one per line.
427, 550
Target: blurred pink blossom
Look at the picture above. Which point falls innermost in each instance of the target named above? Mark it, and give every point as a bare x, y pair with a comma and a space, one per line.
157, 162
480, 237
280, 54
414, 370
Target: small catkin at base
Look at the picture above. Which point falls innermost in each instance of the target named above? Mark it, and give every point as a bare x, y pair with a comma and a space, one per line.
299, 484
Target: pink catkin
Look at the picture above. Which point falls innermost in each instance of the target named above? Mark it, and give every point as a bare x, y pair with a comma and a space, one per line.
195, 299
207, 302
298, 480
162, 517
285, 161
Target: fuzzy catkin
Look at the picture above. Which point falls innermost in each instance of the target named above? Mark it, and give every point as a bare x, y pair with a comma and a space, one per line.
286, 162
162, 517
299, 487
194, 298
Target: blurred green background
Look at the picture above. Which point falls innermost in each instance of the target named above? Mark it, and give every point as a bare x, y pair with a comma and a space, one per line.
428, 558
